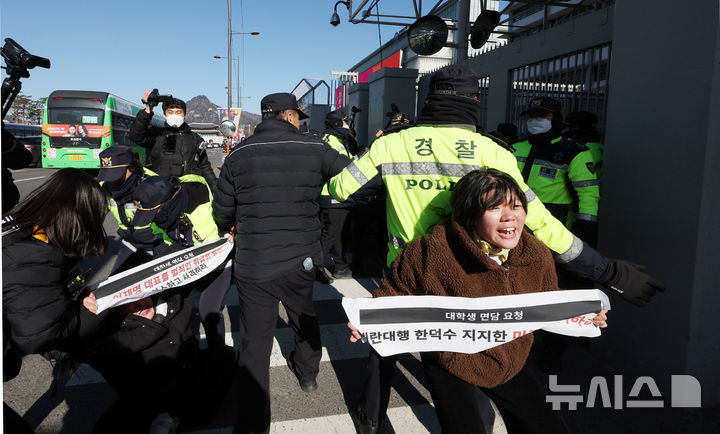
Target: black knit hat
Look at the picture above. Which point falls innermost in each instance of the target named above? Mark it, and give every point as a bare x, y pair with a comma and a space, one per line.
454, 80
175, 102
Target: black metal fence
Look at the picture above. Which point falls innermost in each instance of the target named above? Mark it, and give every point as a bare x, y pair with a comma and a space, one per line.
578, 80
484, 83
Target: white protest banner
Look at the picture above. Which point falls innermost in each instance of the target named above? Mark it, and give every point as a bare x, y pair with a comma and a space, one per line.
170, 271
405, 324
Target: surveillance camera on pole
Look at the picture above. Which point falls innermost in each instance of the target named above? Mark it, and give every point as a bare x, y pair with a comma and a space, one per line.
335, 19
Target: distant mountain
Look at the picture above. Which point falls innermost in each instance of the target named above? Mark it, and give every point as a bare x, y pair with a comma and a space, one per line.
201, 109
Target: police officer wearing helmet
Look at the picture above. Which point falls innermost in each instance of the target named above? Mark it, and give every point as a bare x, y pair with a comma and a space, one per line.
174, 149
561, 172
333, 214
419, 166
269, 190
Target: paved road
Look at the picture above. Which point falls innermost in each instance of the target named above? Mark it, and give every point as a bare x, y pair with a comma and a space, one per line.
77, 404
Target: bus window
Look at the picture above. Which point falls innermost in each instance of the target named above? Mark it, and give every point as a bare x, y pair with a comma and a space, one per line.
74, 127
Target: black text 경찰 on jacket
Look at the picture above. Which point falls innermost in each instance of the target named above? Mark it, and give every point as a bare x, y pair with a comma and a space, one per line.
269, 189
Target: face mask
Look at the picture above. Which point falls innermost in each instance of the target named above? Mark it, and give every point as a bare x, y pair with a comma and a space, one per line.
175, 120
538, 125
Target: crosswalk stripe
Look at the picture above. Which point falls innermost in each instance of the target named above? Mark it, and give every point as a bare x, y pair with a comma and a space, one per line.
335, 339
403, 415
410, 419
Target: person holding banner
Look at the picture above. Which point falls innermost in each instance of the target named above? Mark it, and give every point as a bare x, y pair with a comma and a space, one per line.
148, 353
481, 251
418, 168
43, 237
183, 214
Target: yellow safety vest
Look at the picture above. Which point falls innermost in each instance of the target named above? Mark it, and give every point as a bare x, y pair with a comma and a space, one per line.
201, 218
419, 167
561, 180
325, 199
129, 208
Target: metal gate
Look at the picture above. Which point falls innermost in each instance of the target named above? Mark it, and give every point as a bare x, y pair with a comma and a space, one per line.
484, 83
578, 80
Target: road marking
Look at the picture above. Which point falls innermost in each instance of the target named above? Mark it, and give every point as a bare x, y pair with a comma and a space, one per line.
30, 179
335, 340
414, 419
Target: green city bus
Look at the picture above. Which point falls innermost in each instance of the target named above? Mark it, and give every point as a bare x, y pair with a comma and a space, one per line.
79, 124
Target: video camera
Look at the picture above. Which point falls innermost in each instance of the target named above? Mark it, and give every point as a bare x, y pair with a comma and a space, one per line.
155, 98
17, 63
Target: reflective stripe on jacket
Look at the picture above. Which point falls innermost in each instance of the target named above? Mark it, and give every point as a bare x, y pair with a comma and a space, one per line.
560, 173
129, 207
327, 201
201, 218
419, 167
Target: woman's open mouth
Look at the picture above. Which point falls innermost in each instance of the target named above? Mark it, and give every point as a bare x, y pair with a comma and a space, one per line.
507, 232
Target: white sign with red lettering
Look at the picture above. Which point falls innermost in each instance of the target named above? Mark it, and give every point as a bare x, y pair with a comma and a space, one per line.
164, 273
405, 324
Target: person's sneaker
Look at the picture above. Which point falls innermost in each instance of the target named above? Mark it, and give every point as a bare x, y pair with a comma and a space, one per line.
324, 275
307, 386
363, 424
343, 273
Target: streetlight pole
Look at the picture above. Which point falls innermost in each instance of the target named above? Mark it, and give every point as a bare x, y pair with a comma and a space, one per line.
237, 69
237, 76
230, 32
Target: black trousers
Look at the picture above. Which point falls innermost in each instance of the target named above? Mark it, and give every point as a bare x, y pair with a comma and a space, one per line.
333, 222
463, 408
378, 381
258, 318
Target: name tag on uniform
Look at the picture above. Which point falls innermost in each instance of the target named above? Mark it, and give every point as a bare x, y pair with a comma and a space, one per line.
547, 172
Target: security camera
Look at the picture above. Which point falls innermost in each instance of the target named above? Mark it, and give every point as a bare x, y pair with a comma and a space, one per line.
335, 19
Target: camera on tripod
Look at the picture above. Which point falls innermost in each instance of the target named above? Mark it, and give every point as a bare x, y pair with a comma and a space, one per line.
155, 98
17, 63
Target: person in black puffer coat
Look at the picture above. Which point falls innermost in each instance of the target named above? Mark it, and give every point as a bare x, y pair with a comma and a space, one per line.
269, 189
174, 149
147, 352
43, 237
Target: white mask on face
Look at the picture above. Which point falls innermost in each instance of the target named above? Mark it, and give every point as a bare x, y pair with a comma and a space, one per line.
175, 120
538, 125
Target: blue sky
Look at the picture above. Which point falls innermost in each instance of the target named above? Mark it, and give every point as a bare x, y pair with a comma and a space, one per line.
126, 47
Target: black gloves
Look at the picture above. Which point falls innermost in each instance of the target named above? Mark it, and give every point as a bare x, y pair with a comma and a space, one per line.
631, 281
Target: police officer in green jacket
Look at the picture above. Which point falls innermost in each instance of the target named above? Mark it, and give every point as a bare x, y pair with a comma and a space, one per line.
333, 214
581, 127
419, 166
182, 211
120, 173
561, 172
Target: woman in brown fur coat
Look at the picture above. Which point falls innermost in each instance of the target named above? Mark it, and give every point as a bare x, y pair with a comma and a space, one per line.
482, 252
